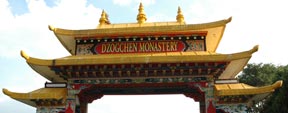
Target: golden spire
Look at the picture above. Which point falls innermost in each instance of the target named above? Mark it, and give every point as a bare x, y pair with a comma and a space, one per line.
180, 17
107, 18
141, 17
103, 19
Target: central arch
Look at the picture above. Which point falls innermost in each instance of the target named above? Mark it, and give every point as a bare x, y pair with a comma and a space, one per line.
144, 104
97, 91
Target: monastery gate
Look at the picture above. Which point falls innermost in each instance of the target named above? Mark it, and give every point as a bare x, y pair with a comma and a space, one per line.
143, 58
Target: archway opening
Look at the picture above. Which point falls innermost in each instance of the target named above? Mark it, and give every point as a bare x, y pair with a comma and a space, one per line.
144, 104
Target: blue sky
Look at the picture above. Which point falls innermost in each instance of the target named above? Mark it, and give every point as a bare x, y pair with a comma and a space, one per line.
24, 26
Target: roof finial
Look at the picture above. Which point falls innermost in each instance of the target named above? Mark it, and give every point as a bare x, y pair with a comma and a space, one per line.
180, 16
107, 18
24, 55
141, 17
103, 19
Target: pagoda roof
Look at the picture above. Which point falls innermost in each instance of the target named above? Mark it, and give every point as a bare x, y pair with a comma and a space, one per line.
236, 61
214, 32
40, 97
243, 93
244, 89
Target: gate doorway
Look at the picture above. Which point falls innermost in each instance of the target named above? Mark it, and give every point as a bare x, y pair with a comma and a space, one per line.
144, 104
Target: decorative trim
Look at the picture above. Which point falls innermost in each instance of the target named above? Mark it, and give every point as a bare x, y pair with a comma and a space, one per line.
141, 80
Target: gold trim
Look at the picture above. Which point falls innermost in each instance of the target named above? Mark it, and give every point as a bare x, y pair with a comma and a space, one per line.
244, 89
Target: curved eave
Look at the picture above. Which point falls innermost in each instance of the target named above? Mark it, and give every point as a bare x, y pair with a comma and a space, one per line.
234, 67
167, 57
43, 66
39, 94
215, 32
244, 89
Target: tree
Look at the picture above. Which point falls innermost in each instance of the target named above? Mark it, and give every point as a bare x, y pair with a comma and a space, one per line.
258, 74
267, 74
278, 102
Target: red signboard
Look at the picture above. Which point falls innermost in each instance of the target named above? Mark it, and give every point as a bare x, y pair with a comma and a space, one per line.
139, 47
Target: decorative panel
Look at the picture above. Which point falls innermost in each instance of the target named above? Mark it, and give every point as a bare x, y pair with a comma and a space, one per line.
135, 44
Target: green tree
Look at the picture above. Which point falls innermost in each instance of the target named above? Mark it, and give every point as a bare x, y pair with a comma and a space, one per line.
267, 74
258, 74
278, 102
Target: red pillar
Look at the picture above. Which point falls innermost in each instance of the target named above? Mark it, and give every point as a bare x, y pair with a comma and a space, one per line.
211, 108
83, 107
202, 106
70, 106
70, 101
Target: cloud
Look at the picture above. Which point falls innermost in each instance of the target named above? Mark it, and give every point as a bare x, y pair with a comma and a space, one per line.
3, 99
30, 31
129, 2
159, 17
257, 23
122, 2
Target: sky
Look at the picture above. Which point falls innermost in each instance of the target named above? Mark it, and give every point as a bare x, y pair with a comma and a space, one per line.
24, 26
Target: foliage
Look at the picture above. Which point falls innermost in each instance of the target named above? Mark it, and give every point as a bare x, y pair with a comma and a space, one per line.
267, 74
258, 74
278, 102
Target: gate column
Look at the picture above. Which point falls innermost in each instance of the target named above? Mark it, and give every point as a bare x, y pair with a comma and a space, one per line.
71, 100
202, 107
83, 107
209, 98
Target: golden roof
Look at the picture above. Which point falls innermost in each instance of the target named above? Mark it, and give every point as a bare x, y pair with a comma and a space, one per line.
214, 31
237, 61
42, 94
244, 89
